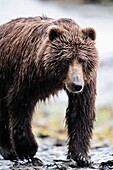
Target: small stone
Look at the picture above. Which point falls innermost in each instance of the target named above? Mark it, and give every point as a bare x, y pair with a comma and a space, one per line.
37, 162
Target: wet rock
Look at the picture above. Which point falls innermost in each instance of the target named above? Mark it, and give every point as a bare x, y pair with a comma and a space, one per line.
5, 164
51, 157
106, 165
37, 162
65, 164
59, 142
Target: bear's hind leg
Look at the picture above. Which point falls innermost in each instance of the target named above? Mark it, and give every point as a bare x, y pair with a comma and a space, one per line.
22, 137
6, 149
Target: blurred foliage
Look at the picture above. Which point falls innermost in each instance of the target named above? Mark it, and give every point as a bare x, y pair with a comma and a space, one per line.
49, 121
103, 132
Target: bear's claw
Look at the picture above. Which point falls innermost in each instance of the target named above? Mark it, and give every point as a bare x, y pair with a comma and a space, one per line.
83, 161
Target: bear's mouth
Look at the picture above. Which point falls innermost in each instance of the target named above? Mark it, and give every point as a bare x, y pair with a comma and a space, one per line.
74, 88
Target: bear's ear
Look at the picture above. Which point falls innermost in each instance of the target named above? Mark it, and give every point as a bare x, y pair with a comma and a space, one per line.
90, 32
54, 31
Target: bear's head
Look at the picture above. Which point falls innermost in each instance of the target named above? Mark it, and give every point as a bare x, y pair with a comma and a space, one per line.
69, 54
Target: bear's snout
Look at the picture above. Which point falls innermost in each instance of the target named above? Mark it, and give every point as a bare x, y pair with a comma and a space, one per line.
74, 82
76, 85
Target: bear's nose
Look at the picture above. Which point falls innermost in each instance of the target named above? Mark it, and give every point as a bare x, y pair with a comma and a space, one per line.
75, 87
76, 84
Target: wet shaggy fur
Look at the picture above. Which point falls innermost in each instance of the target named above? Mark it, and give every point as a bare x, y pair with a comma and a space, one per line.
35, 56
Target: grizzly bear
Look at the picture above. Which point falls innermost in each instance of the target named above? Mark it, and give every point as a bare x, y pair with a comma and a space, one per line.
38, 57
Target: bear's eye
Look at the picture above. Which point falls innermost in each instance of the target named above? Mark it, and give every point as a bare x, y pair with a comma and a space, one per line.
83, 62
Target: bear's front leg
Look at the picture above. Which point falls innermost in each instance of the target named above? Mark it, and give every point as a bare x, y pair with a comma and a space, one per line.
80, 116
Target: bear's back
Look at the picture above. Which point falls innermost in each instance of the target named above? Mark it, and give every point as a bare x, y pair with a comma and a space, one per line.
8, 27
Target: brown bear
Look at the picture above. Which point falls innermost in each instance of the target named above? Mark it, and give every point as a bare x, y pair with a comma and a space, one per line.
38, 57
